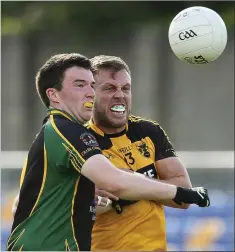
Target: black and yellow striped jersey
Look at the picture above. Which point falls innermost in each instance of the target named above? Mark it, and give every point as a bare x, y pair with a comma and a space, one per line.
141, 225
56, 208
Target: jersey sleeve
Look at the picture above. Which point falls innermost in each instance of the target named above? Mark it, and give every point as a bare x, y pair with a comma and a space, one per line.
161, 141
78, 142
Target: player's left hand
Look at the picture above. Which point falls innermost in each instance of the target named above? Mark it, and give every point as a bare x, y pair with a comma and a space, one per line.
196, 195
203, 199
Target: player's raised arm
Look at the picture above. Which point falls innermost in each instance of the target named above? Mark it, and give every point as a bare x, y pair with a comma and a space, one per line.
133, 187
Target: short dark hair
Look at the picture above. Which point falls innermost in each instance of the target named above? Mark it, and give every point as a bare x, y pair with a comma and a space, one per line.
108, 62
51, 74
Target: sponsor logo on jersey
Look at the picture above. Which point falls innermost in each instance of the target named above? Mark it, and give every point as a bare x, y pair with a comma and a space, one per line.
89, 149
149, 171
125, 149
92, 209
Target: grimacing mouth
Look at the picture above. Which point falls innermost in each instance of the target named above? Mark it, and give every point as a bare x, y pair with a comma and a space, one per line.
119, 108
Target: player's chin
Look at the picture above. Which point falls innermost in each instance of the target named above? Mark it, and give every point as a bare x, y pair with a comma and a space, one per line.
118, 122
87, 115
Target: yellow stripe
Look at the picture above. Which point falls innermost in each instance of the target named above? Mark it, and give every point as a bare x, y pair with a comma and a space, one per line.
66, 140
95, 128
73, 156
76, 162
67, 245
60, 112
157, 124
136, 119
21, 247
133, 118
11, 236
44, 177
75, 166
23, 172
16, 239
75, 192
43, 180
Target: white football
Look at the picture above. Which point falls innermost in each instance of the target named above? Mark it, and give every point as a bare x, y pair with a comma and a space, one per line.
197, 35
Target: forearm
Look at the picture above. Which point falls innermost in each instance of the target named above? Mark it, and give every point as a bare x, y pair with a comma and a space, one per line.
138, 187
179, 181
130, 186
123, 184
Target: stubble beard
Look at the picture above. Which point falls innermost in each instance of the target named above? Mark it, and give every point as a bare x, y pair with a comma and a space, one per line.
103, 120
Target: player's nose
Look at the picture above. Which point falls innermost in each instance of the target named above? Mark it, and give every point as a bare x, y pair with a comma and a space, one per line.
119, 93
90, 92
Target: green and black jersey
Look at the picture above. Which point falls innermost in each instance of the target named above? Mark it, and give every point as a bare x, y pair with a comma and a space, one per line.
56, 208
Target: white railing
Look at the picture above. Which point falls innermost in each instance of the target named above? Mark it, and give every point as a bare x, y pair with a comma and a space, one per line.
191, 159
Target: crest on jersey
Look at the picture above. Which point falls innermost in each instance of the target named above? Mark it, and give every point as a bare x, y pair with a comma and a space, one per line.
142, 147
89, 140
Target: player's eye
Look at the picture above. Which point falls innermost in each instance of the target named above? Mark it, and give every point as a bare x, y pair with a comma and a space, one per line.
126, 88
108, 88
79, 85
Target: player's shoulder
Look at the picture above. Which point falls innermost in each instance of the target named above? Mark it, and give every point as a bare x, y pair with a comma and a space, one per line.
74, 132
141, 122
143, 127
65, 125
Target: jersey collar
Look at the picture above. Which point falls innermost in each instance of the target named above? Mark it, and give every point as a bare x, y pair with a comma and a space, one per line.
53, 111
100, 132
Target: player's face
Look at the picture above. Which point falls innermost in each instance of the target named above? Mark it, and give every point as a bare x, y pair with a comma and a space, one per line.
77, 94
113, 100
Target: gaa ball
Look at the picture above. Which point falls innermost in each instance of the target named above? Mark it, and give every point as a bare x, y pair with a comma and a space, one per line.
197, 35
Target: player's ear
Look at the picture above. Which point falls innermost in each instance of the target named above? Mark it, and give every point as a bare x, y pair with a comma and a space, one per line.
53, 95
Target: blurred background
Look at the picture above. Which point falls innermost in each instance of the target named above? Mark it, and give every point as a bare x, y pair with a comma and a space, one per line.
195, 104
